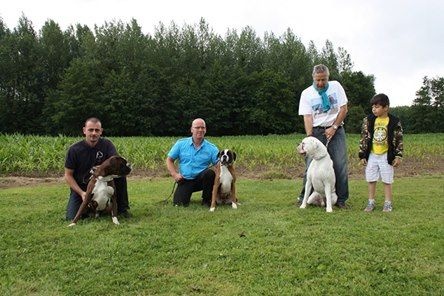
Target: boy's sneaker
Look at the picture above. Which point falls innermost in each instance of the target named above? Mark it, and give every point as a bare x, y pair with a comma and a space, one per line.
387, 207
370, 206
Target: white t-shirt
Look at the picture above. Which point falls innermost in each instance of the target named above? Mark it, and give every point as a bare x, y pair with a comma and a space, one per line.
311, 103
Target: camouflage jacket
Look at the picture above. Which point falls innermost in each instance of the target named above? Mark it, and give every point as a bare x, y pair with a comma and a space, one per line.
394, 137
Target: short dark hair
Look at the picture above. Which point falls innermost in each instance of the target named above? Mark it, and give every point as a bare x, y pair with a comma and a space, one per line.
93, 120
381, 100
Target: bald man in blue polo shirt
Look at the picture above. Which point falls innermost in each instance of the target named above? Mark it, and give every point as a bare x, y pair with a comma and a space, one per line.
194, 155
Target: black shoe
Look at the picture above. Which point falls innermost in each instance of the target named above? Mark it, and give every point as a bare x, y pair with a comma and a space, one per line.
342, 205
206, 203
125, 214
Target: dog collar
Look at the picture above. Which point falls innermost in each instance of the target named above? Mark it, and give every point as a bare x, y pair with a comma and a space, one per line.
107, 178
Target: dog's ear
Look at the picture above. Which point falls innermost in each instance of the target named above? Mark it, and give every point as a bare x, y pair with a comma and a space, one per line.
220, 153
234, 156
113, 159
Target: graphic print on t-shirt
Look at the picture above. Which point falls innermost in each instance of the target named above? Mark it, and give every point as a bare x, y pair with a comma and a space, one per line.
380, 145
316, 104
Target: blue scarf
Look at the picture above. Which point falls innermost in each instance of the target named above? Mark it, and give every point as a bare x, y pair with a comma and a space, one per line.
323, 93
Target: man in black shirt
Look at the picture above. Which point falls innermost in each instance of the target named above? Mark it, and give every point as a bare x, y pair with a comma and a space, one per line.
81, 157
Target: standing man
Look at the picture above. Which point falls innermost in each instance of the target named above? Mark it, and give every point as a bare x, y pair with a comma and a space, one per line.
324, 107
81, 157
195, 155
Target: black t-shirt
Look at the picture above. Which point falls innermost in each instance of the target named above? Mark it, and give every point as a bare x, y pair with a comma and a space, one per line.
81, 158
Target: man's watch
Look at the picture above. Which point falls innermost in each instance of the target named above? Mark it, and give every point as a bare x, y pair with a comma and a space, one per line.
334, 126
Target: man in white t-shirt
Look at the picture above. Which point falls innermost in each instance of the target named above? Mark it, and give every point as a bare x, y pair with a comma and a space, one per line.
324, 107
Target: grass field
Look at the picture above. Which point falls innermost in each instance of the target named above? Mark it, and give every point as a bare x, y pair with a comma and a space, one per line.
266, 247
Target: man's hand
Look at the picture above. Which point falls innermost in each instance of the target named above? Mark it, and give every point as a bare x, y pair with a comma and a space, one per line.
329, 133
177, 177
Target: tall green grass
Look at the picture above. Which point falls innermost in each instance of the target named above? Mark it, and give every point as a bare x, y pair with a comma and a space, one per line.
266, 247
42, 156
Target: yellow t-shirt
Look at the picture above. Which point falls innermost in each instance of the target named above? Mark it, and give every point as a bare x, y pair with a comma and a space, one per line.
380, 144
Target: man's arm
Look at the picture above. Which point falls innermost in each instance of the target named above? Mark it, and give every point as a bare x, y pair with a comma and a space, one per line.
308, 124
330, 132
69, 178
341, 115
172, 169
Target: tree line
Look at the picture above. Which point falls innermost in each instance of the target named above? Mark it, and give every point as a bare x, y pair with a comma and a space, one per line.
155, 84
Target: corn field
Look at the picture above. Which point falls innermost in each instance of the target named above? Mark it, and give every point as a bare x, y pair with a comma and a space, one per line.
44, 156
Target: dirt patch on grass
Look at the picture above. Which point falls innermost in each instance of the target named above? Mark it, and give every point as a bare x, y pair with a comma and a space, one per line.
15, 181
410, 167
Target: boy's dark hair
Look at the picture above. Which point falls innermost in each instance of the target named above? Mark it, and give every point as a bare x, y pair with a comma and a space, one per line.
380, 99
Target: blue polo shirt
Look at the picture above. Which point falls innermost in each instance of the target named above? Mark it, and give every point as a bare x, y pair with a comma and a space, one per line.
193, 161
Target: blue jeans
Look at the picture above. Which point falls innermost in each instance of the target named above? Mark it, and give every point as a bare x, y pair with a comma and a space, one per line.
337, 148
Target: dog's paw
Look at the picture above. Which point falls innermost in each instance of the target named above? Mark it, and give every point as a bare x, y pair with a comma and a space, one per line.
303, 206
212, 209
72, 224
234, 205
116, 221
329, 210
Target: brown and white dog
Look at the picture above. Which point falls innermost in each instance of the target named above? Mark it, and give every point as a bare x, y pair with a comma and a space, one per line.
224, 188
100, 193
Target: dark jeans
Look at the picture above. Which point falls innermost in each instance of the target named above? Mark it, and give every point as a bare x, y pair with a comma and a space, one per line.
185, 188
337, 148
75, 200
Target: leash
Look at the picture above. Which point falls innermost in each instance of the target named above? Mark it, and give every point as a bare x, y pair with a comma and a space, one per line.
328, 142
165, 201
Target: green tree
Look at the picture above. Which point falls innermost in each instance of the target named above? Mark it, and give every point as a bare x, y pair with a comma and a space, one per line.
359, 89
22, 83
428, 107
345, 64
354, 119
329, 58
154, 85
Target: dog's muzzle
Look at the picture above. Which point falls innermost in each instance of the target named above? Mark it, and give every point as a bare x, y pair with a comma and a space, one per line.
225, 160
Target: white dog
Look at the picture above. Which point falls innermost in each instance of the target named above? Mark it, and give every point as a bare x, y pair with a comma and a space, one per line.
320, 175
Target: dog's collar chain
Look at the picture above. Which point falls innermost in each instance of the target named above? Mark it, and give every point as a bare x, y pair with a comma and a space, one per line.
107, 178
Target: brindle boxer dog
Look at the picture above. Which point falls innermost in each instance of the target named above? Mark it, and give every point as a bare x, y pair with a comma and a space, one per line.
100, 193
224, 188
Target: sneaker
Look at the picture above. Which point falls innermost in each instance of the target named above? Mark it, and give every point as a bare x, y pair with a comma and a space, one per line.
387, 207
370, 206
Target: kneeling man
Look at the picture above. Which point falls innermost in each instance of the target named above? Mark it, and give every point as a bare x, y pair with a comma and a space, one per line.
195, 155
84, 155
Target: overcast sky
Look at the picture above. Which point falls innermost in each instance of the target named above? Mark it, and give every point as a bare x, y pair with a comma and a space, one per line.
397, 41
